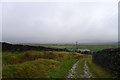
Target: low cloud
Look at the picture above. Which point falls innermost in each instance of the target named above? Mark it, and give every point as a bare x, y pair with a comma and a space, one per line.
60, 22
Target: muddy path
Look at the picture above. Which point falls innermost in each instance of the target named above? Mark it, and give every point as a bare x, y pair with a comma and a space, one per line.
86, 71
72, 71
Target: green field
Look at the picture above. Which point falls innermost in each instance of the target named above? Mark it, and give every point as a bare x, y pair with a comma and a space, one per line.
92, 47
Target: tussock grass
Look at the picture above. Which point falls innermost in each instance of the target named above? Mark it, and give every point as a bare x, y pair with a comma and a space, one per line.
11, 58
20, 57
97, 71
79, 56
37, 64
32, 69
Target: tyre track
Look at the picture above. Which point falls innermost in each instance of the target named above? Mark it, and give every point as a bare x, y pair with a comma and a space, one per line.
87, 73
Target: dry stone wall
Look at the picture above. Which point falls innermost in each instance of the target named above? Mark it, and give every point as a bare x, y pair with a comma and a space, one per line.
109, 59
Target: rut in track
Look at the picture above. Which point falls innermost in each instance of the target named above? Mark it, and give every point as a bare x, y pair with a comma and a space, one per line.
87, 73
72, 71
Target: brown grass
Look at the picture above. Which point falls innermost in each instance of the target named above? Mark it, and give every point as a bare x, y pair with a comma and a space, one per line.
78, 55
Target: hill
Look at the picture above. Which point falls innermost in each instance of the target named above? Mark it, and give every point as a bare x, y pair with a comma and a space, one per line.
18, 47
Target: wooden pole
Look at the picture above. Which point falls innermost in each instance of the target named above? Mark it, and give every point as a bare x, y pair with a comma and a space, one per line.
76, 45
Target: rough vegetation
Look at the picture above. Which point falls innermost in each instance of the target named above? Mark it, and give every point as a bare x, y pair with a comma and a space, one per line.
37, 64
23, 61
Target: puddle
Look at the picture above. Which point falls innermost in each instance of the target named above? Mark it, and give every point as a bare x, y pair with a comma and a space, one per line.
72, 71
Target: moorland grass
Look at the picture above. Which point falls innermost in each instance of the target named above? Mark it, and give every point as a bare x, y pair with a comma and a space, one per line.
20, 57
37, 64
31, 69
98, 71
48, 64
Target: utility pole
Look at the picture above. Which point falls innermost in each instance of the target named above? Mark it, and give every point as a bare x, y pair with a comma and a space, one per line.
76, 46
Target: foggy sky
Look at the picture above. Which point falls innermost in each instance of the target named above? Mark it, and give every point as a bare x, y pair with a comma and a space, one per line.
53, 22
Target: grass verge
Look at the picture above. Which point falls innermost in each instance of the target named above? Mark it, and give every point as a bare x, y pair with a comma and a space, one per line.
65, 65
79, 69
97, 71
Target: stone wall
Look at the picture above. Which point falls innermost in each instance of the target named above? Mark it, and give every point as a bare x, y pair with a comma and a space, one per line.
109, 59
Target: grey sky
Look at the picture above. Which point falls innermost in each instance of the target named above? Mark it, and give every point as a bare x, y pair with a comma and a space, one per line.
53, 22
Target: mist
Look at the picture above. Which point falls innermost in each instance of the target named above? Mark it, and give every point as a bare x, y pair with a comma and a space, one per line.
58, 22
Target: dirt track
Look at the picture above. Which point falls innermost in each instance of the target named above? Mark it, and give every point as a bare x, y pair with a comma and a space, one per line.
86, 71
